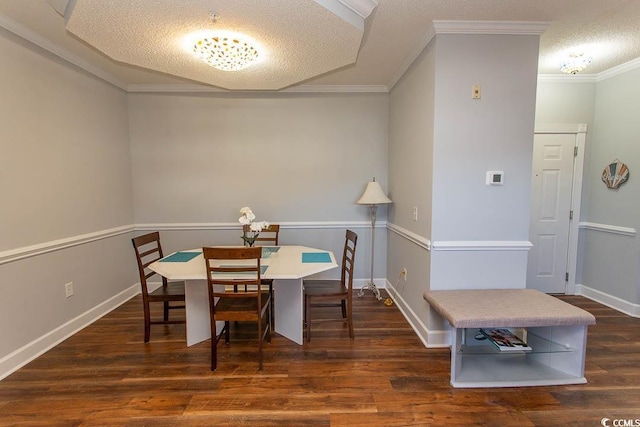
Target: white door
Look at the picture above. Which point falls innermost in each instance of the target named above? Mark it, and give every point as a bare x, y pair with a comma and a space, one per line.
552, 178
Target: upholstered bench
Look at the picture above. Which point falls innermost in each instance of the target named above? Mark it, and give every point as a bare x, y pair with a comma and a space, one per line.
555, 330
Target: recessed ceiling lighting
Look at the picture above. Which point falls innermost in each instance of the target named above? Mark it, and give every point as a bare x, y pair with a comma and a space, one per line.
575, 63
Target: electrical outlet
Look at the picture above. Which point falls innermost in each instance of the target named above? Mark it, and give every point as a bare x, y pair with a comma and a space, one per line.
68, 289
476, 92
404, 274
415, 213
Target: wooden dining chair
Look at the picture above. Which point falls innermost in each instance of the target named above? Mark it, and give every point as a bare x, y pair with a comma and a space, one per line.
333, 293
233, 266
148, 250
267, 237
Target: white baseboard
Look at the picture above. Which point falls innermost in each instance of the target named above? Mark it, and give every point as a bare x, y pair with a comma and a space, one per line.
17, 359
430, 339
614, 302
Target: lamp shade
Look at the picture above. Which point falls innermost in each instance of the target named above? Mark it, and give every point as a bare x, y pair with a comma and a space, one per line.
373, 195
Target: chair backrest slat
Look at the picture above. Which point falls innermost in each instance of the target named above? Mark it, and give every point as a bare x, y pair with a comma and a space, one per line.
267, 235
348, 259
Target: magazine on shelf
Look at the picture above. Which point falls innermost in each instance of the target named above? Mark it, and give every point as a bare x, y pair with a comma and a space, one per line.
505, 340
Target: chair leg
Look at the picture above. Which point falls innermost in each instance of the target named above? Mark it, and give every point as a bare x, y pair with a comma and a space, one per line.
271, 308
214, 346
350, 319
147, 323
269, 328
214, 352
227, 335
166, 311
260, 339
344, 309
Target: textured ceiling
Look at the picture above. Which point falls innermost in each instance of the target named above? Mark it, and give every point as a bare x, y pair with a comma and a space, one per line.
133, 42
297, 39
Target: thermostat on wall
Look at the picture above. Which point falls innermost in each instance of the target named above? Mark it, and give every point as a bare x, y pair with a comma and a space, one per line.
495, 178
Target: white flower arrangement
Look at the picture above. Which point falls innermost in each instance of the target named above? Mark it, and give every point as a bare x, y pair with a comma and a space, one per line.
256, 227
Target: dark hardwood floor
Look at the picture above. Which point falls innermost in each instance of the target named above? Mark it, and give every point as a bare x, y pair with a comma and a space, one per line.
106, 376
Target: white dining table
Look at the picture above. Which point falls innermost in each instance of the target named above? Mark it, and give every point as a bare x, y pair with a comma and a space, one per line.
286, 265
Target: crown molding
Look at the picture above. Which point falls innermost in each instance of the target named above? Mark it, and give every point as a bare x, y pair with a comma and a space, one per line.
337, 89
36, 39
194, 88
561, 128
568, 78
413, 55
362, 7
352, 11
491, 27
620, 69
591, 78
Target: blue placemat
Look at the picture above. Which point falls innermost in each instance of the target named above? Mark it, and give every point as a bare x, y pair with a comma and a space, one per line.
181, 257
267, 251
316, 257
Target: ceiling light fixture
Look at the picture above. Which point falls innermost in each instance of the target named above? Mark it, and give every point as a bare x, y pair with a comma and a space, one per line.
575, 63
226, 53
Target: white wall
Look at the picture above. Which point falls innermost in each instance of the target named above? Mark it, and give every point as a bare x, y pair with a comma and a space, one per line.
65, 186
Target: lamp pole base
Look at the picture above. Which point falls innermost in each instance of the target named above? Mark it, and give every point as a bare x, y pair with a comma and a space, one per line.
370, 287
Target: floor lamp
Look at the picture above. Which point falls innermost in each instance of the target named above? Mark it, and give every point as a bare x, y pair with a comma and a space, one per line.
373, 196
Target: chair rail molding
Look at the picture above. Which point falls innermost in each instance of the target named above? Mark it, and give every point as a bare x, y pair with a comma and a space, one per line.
55, 245
237, 226
81, 239
613, 229
482, 245
409, 235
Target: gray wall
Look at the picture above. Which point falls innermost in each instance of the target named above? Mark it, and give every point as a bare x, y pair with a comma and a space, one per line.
441, 145
290, 157
411, 133
301, 160
570, 101
476, 136
607, 267
65, 184
610, 260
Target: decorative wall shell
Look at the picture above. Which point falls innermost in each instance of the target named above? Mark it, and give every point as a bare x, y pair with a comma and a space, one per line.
615, 174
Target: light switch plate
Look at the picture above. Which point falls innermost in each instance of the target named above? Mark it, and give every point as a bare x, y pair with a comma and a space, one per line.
495, 178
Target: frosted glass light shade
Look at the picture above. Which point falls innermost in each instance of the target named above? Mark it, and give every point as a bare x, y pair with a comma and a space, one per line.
373, 195
226, 53
575, 63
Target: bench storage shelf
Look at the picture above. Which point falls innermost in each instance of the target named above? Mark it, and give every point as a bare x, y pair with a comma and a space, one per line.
478, 363
555, 331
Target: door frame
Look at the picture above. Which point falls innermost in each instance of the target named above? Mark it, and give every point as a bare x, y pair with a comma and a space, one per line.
580, 132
